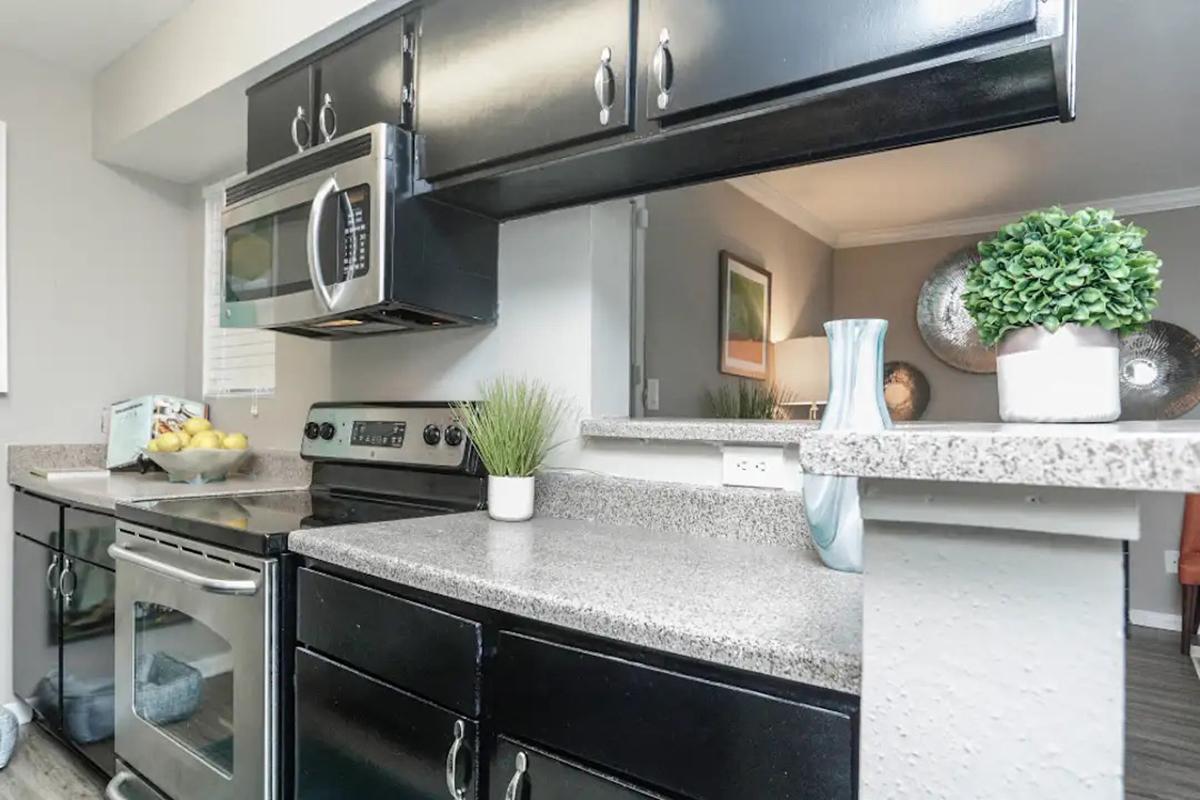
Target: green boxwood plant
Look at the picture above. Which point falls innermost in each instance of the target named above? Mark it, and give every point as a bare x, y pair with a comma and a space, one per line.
1051, 268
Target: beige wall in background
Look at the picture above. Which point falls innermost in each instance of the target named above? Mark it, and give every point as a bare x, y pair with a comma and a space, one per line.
97, 278
688, 228
884, 281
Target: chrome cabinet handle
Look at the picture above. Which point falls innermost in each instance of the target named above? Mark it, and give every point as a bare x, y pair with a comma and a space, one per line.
513, 792
67, 569
605, 84
327, 112
300, 119
664, 68
51, 583
205, 582
460, 734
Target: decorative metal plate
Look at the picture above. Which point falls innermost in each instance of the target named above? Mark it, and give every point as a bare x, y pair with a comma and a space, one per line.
1160, 372
905, 391
948, 331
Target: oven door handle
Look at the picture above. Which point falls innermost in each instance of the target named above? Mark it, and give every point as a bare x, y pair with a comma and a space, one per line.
315, 212
204, 582
113, 790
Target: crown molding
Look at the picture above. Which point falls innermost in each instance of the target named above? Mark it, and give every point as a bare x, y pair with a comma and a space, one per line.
766, 195
1152, 202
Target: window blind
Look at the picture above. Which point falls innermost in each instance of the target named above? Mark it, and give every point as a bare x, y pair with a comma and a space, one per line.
237, 361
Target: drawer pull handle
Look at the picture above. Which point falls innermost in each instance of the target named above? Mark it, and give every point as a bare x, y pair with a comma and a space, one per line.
513, 792
605, 84
664, 69
67, 570
327, 112
300, 119
51, 583
456, 747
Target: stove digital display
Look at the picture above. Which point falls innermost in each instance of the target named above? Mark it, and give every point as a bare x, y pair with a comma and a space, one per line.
377, 434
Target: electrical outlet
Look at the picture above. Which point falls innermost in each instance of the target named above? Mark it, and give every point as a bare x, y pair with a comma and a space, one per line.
754, 466
1171, 559
652, 394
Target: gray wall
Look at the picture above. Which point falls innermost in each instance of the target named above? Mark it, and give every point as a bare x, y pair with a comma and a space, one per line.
688, 229
97, 281
883, 281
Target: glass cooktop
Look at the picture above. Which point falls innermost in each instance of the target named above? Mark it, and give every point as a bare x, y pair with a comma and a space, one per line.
260, 523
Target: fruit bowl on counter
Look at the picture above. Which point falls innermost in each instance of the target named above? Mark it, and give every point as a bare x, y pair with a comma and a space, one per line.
198, 453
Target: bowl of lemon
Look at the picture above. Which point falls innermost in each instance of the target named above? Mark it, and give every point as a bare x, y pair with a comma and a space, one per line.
198, 452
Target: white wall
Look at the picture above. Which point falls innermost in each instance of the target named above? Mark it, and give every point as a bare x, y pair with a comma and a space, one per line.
98, 286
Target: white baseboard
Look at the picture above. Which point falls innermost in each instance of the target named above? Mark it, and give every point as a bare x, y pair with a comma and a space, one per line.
23, 712
1156, 619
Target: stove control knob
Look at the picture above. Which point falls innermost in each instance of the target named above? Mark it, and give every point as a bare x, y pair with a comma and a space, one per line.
454, 435
327, 430
432, 434
312, 430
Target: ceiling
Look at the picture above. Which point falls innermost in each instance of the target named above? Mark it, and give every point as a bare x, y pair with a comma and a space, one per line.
82, 36
1137, 133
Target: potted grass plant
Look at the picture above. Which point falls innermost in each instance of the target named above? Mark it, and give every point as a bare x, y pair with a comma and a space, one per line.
1053, 292
746, 400
512, 428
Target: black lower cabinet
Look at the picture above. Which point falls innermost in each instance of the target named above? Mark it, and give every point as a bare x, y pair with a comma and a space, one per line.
88, 642
36, 629
358, 737
520, 772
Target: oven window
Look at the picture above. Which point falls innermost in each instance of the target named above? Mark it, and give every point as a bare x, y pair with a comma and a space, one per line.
183, 682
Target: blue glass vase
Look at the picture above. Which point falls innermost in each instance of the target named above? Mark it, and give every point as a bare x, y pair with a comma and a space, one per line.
855, 404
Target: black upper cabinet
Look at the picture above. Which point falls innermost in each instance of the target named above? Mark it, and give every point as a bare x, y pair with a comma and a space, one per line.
280, 117
355, 82
362, 82
511, 78
708, 53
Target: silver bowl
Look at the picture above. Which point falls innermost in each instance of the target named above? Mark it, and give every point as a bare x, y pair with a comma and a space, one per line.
947, 328
1160, 372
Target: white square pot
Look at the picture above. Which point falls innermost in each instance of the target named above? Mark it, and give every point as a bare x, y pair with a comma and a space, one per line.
510, 499
1071, 375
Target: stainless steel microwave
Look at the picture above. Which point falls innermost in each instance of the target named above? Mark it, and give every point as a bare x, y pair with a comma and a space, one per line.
332, 243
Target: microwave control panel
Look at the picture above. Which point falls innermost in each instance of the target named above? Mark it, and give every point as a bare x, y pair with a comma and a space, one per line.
354, 233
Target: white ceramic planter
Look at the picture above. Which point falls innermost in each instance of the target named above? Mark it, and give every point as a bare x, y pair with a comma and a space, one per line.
510, 499
1071, 375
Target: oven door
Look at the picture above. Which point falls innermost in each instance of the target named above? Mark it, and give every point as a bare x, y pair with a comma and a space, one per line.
305, 240
195, 692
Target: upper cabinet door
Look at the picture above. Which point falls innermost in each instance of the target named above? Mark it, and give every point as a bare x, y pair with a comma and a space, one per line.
362, 83
509, 78
280, 118
702, 53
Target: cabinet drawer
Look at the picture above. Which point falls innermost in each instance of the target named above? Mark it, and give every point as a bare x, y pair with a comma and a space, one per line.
727, 51
547, 777
37, 519
509, 78
357, 737
87, 535
420, 649
682, 734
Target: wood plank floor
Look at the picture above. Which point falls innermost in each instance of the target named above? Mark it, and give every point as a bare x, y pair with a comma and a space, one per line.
1162, 729
1162, 738
42, 769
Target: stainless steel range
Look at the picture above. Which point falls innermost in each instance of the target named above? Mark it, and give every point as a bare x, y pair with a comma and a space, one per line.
203, 631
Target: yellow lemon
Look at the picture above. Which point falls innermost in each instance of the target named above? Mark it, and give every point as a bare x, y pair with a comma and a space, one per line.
220, 434
153, 446
168, 443
205, 440
197, 425
184, 438
235, 441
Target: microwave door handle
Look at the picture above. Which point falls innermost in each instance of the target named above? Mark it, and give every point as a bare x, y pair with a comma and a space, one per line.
330, 299
205, 582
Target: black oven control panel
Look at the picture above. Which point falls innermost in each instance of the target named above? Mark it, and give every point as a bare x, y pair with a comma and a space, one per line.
410, 434
354, 232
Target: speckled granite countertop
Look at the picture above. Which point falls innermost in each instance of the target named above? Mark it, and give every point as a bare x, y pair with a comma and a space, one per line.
771, 610
270, 471
1138, 456
1151, 456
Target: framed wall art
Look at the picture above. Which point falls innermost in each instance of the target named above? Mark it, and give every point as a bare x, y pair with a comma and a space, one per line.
745, 318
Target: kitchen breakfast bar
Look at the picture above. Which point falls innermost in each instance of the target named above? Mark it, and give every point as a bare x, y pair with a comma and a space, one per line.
993, 659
